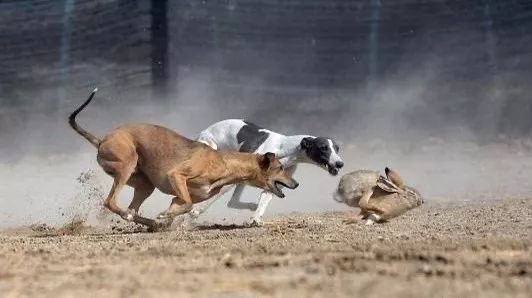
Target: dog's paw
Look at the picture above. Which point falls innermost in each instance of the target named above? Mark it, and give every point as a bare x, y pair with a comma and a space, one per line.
194, 213
254, 222
129, 215
165, 215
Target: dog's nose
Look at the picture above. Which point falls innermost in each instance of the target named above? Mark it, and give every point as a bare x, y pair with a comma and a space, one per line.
339, 164
296, 184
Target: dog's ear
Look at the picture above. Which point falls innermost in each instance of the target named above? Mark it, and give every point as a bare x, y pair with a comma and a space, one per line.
266, 160
306, 143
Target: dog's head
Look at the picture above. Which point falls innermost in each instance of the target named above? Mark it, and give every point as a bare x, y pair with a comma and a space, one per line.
272, 175
323, 152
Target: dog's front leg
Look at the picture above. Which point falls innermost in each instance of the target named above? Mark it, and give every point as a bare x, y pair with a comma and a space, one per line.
235, 202
182, 202
201, 207
264, 200
256, 220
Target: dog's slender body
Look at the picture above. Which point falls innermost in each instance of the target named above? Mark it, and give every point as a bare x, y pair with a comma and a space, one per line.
243, 136
379, 198
147, 156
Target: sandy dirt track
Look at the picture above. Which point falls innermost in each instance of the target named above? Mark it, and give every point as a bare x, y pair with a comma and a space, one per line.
460, 249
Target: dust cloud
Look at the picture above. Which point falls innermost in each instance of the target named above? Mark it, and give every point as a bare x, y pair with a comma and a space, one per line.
401, 125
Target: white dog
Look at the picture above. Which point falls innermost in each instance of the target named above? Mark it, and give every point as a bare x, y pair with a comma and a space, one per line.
243, 136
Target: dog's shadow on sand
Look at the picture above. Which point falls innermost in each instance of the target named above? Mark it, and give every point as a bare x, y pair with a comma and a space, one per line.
220, 227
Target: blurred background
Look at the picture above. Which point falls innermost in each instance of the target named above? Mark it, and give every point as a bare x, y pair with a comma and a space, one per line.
438, 89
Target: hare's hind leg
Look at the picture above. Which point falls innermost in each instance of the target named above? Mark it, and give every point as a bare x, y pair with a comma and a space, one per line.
372, 218
363, 214
364, 200
363, 204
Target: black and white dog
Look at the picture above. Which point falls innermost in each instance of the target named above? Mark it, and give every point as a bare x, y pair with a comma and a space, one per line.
243, 136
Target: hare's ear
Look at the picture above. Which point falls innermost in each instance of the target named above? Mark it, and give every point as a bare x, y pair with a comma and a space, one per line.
386, 185
394, 177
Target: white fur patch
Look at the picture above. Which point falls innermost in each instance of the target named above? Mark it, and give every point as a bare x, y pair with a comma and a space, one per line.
334, 158
372, 218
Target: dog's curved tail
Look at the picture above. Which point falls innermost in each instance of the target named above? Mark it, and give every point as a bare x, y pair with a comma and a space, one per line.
72, 121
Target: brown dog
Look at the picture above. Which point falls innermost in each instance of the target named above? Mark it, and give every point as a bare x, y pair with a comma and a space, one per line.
146, 156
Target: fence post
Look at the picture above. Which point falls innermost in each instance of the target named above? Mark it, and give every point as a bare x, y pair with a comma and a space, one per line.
159, 47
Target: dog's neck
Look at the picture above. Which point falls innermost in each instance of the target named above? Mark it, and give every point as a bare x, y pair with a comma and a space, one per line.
291, 150
239, 167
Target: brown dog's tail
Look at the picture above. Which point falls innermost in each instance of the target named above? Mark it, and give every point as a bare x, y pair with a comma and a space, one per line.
72, 121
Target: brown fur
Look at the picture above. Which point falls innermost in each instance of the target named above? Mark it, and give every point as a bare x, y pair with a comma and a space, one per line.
146, 156
378, 198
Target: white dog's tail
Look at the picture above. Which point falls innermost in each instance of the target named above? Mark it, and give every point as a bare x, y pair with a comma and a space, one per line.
72, 121
206, 139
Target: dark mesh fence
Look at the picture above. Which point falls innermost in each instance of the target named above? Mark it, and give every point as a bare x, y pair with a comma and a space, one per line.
51, 51
277, 56
281, 59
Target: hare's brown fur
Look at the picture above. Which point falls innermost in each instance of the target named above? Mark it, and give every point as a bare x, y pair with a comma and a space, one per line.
379, 198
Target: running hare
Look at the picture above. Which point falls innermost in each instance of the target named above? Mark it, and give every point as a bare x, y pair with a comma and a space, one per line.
379, 198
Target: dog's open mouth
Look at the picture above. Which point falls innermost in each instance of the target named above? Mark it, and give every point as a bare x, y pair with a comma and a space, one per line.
276, 189
277, 185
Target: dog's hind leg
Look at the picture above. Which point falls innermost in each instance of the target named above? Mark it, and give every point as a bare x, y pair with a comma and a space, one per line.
235, 202
143, 189
118, 183
118, 158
